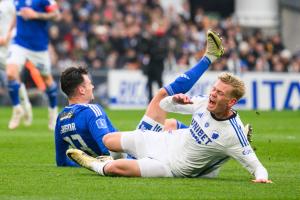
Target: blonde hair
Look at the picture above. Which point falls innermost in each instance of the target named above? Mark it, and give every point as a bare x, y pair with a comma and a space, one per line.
237, 84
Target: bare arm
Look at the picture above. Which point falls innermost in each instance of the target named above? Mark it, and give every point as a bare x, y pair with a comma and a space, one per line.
30, 14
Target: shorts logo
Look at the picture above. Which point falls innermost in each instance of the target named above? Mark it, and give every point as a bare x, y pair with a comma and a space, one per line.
101, 123
145, 126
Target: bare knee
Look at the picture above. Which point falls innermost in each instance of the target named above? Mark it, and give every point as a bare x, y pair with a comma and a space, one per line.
12, 72
154, 111
112, 141
170, 124
107, 139
162, 93
48, 79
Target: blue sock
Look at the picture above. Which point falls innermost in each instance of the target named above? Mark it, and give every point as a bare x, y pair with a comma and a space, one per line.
186, 81
52, 95
13, 89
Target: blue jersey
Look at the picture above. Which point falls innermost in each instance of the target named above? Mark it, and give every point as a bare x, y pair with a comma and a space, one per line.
33, 34
81, 126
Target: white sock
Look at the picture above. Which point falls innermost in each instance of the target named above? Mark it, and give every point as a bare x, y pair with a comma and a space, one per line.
117, 155
23, 95
98, 166
212, 58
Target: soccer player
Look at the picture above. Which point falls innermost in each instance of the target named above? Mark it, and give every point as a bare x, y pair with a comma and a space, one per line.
7, 13
7, 23
83, 125
214, 135
31, 43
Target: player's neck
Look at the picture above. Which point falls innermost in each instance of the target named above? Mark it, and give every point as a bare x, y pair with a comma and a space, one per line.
76, 100
223, 115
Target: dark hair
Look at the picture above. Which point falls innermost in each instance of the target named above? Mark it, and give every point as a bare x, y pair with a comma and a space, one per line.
71, 78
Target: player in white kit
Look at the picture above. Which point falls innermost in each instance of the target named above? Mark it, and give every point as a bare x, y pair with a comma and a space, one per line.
214, 135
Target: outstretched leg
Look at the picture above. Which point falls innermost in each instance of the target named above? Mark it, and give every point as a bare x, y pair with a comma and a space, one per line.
154, 117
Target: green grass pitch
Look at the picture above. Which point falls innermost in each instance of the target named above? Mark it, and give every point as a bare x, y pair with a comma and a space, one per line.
28, 171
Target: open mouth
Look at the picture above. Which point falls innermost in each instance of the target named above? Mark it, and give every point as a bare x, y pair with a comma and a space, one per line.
212, 102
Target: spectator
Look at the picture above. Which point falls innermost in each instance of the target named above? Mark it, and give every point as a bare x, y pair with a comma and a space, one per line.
111, 35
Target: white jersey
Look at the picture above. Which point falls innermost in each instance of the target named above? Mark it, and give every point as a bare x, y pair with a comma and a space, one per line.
7, 14
209, 141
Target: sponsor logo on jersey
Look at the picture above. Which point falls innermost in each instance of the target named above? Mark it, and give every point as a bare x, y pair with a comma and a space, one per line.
66, 115
198, 133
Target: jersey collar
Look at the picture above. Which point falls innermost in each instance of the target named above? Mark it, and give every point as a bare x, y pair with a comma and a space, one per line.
230, 117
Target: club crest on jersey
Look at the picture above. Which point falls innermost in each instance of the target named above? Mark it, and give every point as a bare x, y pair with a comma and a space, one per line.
101, 123
215, 135
28, 2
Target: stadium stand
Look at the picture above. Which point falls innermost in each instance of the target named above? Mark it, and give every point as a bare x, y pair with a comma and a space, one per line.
113, 35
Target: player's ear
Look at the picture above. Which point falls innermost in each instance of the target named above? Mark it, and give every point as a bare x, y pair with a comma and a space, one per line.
232, 102
81, 90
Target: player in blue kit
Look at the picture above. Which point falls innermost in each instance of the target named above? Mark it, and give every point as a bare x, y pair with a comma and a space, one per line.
31, 43
80, 124
83, 125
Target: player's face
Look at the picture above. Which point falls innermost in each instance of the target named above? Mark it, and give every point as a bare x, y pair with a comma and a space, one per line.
220, 100
87, 88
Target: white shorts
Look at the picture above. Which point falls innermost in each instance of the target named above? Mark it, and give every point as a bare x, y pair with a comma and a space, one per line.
18, 55
151, 149
3, 56
3, 79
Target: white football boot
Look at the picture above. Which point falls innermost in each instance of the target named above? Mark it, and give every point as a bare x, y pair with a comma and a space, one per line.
89, 162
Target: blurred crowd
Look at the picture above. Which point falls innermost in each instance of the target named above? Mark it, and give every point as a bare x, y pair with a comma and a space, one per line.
126, 34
